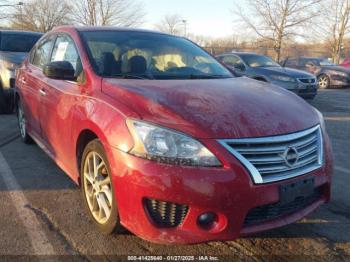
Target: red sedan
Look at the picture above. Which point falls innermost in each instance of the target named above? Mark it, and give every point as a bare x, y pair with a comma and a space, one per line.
346, 63
164, 141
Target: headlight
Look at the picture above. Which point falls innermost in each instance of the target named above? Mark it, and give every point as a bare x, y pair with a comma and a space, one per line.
9, 65
320, 117
169, 147
283, 78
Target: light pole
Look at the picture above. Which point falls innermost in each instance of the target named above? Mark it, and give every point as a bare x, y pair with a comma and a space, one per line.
185, 27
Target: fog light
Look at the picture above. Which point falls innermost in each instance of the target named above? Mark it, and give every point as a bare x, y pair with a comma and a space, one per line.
207, 220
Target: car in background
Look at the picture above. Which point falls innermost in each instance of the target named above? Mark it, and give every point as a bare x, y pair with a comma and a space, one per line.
328, 74
346, 62
14, 47
165, 141
263, 68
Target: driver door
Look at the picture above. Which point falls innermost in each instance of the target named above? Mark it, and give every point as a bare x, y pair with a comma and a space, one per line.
58, 98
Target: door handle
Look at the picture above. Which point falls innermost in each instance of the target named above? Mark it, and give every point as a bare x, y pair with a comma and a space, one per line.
42, 92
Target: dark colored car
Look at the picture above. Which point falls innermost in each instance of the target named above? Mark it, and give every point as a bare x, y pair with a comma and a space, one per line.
165, 141
328, 74
14, 46
263, 68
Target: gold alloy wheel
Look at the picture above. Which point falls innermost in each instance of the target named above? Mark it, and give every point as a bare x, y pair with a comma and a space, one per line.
97, 187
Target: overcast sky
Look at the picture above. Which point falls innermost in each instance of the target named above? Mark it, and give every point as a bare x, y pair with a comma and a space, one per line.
205, 17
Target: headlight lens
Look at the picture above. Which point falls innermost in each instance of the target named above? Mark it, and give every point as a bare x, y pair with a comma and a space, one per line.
166, 146
9, 65
283, 78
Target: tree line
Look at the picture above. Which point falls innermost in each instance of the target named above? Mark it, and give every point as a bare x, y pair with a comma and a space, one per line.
43, 15
279, 24
276, 23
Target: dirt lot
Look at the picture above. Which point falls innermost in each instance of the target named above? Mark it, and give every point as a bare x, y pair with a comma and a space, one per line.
48, 206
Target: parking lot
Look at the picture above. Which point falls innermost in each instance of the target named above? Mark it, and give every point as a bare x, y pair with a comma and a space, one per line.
42, 212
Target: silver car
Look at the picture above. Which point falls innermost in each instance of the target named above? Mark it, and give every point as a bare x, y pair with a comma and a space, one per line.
14, 47
263, 68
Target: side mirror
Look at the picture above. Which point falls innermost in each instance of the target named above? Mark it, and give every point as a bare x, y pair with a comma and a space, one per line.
309, 64
232, 70
61, 70
239, 67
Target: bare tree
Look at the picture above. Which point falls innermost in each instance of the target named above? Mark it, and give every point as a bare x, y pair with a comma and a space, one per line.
335, 25
6, 8
41, 15
170, 24
277, 20
124, 13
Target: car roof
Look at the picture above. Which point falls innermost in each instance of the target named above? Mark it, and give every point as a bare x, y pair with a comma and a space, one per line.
240, 53
308, 58
107, 28
20, 32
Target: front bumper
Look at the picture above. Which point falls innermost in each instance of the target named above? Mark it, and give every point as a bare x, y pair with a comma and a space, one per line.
227, 191
305, 90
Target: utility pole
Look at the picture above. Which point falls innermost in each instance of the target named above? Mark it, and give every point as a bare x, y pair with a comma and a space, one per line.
185, 27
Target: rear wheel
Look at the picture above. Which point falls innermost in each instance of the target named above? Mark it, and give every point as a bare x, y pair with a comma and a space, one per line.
3, 103
323, 81
22, 124
97, 188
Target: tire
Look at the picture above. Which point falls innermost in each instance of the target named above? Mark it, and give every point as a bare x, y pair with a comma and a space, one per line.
3, 103
22, 124
309, 97
6, 102
98, 191
323, 81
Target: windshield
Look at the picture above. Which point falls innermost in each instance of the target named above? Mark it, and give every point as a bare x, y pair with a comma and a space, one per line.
12, 42
325, 62
142, 55
259, 61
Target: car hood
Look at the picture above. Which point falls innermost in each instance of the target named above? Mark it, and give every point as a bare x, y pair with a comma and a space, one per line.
285, 71
13, 57
221, 108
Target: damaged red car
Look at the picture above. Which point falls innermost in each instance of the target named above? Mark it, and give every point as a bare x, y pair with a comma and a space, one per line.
165, 141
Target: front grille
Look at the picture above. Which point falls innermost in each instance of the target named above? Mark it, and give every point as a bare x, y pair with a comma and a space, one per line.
270, 212
277, 158
308, 80
165, 214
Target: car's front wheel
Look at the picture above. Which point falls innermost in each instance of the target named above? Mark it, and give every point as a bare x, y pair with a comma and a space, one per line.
323, 82
22, 124
97, 188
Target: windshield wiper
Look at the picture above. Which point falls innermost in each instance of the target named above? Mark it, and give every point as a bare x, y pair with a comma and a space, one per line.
207, 76
130, 76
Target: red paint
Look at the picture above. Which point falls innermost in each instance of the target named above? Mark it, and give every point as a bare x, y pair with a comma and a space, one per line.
205, 109
346, 63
